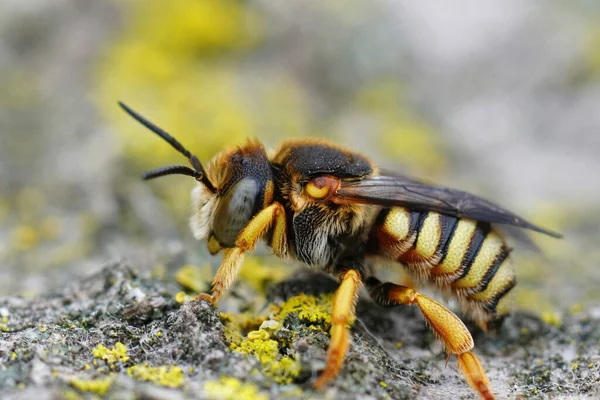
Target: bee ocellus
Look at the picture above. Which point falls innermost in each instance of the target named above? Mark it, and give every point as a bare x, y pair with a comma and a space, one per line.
332, 209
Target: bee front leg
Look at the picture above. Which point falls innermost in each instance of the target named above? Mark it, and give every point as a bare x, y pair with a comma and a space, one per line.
246, 241
342, 310
226, 274
451, 331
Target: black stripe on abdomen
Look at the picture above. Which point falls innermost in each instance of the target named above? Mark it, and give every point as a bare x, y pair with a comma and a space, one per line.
481, 231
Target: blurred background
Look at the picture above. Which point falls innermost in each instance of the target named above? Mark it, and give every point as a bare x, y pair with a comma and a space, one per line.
498, 98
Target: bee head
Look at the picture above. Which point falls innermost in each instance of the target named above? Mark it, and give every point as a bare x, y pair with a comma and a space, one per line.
245, 186
236, 185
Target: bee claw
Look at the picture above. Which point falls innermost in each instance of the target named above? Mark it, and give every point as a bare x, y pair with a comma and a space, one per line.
207, 297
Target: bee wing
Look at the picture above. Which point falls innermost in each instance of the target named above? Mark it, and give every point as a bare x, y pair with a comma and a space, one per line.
389, 191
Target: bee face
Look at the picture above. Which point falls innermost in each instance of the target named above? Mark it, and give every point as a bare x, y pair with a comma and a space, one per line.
244, 185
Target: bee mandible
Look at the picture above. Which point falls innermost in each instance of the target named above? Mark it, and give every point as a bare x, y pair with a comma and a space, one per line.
332, 209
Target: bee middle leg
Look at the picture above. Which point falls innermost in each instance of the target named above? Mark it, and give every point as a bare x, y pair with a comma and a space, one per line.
449, 329
246, 241
342, 310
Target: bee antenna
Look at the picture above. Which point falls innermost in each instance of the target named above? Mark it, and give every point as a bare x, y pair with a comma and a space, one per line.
198, 169
171, 170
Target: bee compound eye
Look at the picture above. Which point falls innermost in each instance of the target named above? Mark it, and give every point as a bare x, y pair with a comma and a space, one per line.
322, 187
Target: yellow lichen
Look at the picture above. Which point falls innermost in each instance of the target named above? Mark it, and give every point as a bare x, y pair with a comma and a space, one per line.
574, 365
97, 386
260, 274
314, 311
282, 370
25, 237
171, 376
71, 395
180, 297
552, 318
228, 388
158, 62
111, 356
258, 344
576, 308
237, 324
194, 278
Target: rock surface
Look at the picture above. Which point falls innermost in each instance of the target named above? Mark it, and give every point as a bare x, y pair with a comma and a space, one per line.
123, 334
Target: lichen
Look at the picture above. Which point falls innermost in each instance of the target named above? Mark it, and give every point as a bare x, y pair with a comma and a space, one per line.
171, 376
194, 278
25, 237
552, 318
97, 386
181, 297
236, 325
71, 395
313, 311
266, 343
228, 388
260, 274
117, 354
282, 369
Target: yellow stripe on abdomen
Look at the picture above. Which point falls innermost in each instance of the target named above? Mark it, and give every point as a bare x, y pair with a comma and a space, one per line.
456, 250
397, 223
429, 236
491, 248
503, 280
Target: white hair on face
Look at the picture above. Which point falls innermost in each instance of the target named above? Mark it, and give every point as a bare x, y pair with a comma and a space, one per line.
204, 203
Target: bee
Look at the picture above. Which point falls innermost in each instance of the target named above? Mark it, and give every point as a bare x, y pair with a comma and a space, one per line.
332, 209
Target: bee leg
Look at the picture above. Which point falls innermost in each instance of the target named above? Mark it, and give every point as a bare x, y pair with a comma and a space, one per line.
246, 241
449, 329
342, 310
226, 274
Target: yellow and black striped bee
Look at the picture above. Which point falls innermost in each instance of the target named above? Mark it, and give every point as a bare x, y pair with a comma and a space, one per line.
332, 209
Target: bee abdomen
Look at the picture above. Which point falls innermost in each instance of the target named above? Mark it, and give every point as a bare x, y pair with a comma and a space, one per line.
433, 232
462, 256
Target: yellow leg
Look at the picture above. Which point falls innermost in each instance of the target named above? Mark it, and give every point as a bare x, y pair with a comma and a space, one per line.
246, 241
446, 325
342, 310
279, 242
228, 270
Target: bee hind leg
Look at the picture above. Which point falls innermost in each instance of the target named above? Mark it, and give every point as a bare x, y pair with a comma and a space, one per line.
449, 329
246, 241
342, 311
